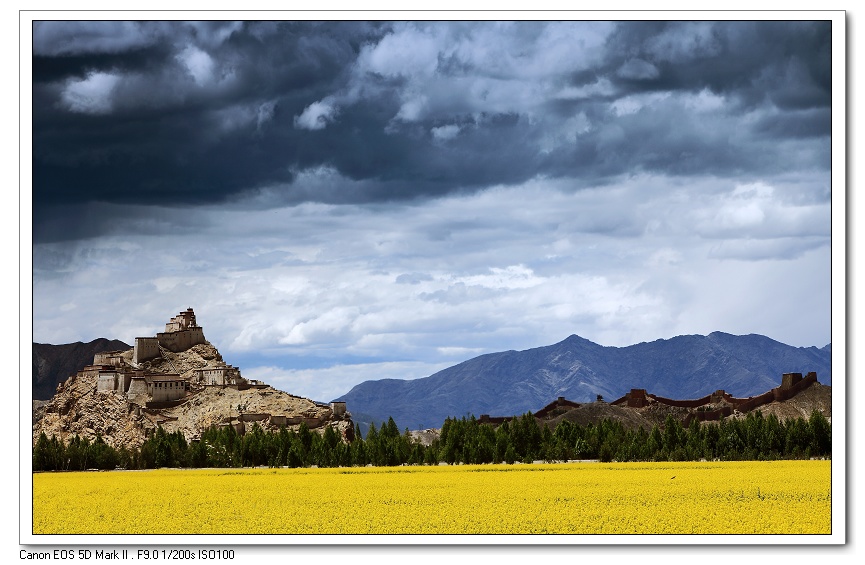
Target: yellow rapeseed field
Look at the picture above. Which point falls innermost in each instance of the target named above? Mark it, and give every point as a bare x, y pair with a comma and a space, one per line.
779, 497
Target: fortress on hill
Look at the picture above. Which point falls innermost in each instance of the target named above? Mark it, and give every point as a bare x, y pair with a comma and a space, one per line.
179, 381
116, 372
181, 333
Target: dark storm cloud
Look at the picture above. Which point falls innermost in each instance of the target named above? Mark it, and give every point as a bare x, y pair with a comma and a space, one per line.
169, 113
188, 119
786, 62
57, 38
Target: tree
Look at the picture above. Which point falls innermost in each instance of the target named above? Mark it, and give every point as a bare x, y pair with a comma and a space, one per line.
390, 430
673, 434
821, 434
198, 454
710, 441
42, 454
797, 438
101, 455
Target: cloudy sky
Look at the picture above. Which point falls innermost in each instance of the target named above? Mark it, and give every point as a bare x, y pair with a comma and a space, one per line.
343, 201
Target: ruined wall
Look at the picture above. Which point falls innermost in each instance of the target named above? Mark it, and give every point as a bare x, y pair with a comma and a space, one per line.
756, 401
683, 403
798, 387
635, 399
495, 420
558, 403
790, 379
708, 416
783, 393
620, 400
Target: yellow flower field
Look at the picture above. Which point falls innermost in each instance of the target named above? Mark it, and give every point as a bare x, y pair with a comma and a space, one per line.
779, 497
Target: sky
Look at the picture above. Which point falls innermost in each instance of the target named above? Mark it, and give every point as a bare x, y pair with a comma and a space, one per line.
346, 201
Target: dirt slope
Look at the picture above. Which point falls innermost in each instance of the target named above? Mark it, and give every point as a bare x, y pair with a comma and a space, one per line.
594, 412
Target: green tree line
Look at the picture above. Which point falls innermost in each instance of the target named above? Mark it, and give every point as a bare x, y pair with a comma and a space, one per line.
463, 440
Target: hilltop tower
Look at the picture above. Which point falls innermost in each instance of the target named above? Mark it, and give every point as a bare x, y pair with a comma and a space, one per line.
181, 333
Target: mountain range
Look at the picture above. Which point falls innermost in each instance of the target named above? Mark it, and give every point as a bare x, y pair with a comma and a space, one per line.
53, 364
515, 382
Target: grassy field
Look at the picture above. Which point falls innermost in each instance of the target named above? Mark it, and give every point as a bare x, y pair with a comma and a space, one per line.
779, 497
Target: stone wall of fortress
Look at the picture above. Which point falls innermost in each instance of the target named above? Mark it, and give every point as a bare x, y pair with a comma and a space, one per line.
113, 358
182, 340
181, 333
146, 348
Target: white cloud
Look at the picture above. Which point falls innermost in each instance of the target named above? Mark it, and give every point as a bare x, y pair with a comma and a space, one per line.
413, 109
600, 87
199, 64
704, 101
762, 211
316, 116
636, 102
445, 133
507, 268
409, 51
91, 95
510, 277
265, 113
256, 114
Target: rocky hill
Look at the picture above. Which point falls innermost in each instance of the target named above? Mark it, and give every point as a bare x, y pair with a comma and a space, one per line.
516, 382
816, 397
79, 408
53, 364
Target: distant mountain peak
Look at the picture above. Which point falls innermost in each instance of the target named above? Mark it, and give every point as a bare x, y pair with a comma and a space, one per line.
515, 382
